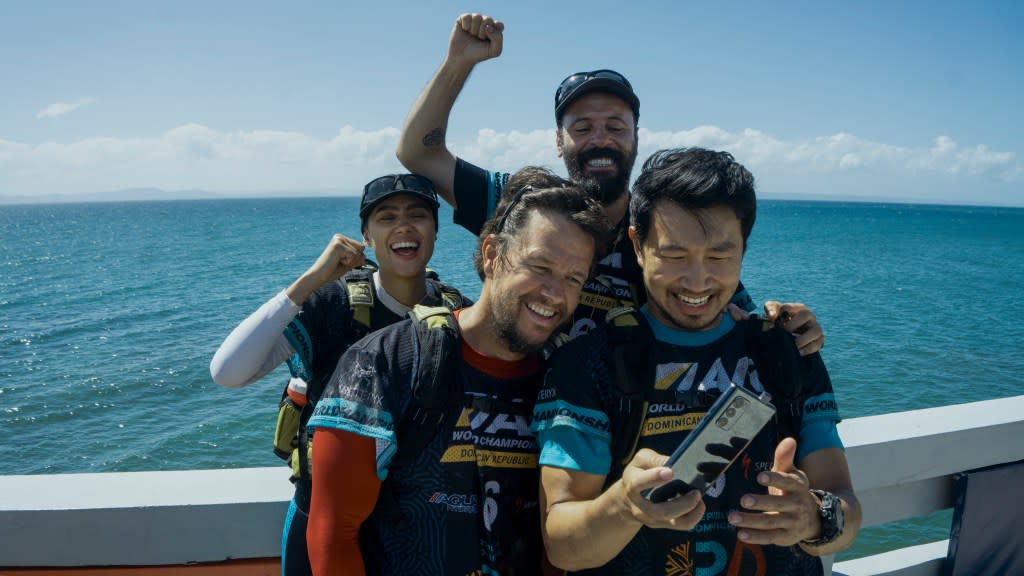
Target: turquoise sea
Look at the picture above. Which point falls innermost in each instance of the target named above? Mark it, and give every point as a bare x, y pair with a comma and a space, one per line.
110, 312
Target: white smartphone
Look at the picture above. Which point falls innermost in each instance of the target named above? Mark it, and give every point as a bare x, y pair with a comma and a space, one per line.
722, 435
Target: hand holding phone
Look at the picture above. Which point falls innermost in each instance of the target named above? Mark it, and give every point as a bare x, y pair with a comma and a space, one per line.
722, 435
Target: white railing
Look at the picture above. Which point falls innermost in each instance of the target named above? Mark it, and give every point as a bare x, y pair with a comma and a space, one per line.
902, 466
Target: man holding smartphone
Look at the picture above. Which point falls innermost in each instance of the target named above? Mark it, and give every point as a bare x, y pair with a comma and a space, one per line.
784, 502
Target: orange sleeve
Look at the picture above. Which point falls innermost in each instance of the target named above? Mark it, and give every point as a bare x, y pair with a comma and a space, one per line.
345, 489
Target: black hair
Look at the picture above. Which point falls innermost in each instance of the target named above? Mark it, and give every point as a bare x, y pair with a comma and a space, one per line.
695, 179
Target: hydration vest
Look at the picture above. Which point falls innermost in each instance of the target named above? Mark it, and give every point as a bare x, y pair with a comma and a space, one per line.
291, 440
631, 346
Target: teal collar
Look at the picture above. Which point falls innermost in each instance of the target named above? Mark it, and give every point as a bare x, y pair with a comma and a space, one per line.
685, 337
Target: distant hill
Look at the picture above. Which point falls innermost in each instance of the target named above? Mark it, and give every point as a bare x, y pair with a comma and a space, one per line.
153, 194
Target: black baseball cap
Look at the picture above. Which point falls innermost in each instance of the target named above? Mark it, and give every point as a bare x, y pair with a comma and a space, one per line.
385, 187
604, 80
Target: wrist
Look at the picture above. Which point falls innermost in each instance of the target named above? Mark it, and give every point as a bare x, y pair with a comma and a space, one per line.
457, 68
301, 288
830, 519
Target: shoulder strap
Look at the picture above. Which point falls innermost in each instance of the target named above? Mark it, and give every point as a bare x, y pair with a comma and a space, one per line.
451, 297
359, 288
630, 344
435, 390
359, 284
780, 369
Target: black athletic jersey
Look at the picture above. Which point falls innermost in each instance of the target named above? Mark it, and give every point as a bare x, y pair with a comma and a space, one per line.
324, 327
617, 279
574, 427
470, 498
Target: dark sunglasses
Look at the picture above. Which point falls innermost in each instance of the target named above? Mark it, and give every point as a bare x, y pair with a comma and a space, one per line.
508, 209
392, 182
573, 81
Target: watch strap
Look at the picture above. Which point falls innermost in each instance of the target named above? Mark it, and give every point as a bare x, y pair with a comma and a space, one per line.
830, 509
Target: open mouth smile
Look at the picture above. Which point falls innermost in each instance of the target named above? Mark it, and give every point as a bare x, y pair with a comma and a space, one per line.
541, 311
406, 248
693, 301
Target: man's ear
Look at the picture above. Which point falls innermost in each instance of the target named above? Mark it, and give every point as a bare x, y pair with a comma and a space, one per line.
489, 255
558, 141
636, 245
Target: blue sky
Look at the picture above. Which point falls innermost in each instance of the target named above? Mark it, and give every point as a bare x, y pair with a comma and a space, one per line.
915, 101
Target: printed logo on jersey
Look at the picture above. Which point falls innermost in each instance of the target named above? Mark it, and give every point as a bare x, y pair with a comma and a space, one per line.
491, 488
346, 415
492, 459
702, 558
461, 447
716, 488
476, 433
678, 561
668, 424
752, 468
461, 503
559, 413
597, 301
665, 375
613, 260
821, 407
716, 378
459, 453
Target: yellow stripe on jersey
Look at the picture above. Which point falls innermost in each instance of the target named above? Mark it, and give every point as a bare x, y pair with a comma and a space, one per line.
459, 453
598, 301
669, 424
506, 459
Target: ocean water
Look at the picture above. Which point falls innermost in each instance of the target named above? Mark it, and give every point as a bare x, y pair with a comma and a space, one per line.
110, 313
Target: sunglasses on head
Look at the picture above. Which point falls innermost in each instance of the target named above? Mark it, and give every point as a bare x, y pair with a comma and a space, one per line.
508, 209
391, 182
573, 81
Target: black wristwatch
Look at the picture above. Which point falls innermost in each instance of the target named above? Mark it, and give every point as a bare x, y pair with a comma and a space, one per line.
830, 507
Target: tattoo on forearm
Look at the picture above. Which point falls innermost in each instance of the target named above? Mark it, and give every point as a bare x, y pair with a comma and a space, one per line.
434, 138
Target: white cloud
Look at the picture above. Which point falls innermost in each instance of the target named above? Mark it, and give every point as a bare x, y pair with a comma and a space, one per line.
54, 111
192, 157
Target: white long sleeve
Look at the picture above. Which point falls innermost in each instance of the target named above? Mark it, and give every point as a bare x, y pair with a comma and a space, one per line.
256, 346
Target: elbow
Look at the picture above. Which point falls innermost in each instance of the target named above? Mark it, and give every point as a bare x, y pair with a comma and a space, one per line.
222, 376
409, 155
565, 560
562, 553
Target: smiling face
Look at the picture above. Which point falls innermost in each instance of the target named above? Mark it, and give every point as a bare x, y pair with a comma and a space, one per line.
598, 141
401, 231
691, 263
535, 285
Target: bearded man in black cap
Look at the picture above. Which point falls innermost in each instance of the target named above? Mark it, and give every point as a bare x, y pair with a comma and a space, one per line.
596, 116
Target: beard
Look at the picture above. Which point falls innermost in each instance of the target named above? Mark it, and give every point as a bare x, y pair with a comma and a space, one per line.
605, 190
506, 329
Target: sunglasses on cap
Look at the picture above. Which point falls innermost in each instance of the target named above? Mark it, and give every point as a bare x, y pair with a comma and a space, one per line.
609, 80
393, 182
380, 188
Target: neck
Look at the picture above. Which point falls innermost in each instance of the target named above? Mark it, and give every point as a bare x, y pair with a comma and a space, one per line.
409, 291
616, 211
476, 326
